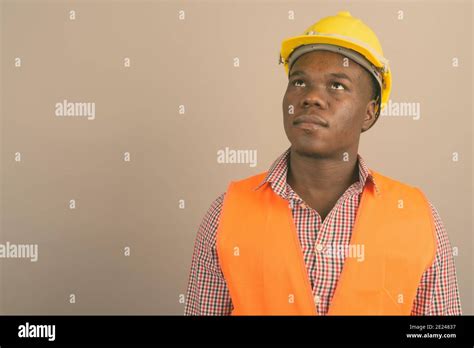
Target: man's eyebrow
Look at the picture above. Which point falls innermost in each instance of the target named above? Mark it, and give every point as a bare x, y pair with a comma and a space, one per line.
337, 75
297, 72
341, 76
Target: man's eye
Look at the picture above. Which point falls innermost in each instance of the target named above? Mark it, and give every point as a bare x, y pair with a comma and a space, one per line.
337, 85
297, 81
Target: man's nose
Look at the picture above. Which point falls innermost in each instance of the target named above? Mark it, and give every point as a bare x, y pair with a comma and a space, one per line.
315, 97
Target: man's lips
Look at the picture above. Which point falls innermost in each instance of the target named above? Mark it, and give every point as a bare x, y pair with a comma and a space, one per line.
310, 119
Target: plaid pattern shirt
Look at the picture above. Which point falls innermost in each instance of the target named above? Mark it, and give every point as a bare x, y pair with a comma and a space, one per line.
207, 292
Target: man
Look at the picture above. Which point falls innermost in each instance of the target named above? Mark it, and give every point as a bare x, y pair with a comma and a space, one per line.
320, 233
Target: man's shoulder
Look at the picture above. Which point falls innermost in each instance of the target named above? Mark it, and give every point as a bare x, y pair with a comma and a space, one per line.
434, 212
388, 182
252, 180
210, 222
215, 208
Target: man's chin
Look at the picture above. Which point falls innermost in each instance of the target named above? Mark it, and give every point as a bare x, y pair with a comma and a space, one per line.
312, 150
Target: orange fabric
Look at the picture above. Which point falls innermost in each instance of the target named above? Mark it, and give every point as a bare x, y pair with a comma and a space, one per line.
263, 265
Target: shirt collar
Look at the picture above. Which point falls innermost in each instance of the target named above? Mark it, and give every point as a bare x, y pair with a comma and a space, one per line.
276, 175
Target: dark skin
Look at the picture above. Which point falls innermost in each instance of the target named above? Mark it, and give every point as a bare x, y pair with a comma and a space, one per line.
323, 159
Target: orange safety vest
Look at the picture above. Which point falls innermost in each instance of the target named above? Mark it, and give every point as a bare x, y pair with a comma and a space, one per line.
263, 266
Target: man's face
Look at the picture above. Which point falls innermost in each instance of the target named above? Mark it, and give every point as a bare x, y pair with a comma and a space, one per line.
335, 90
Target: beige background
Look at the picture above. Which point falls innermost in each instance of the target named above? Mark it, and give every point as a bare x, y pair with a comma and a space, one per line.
173, 156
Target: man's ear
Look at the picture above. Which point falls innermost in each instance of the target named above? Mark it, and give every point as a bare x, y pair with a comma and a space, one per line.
369, 117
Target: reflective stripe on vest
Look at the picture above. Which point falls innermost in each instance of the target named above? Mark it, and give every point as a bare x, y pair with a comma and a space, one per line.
263, 265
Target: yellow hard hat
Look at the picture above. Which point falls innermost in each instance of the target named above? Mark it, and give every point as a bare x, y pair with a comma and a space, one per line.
346, 35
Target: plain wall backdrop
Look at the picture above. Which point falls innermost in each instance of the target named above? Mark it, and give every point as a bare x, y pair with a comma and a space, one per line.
136, 204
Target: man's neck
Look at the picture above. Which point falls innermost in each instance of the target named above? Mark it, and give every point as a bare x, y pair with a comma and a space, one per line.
316, 176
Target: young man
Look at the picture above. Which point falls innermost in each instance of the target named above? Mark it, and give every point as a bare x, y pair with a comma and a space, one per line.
320, 233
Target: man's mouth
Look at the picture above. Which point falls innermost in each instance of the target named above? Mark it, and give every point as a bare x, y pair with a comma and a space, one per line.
310, 121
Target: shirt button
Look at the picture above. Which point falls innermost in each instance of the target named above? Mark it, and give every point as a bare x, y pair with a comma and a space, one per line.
319, 247
317, 299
